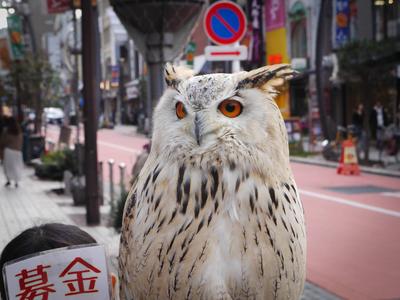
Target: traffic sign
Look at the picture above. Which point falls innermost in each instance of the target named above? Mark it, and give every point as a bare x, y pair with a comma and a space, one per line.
225, 23
214, 53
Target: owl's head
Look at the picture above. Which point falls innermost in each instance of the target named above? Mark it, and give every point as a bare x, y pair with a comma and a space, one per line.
217, 113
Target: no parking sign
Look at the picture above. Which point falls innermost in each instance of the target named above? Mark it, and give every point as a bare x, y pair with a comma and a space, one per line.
225, 23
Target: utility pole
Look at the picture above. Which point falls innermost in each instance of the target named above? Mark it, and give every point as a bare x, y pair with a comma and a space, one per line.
325, 5
91, 93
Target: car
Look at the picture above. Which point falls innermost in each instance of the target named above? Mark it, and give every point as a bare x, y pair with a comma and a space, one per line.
54, 115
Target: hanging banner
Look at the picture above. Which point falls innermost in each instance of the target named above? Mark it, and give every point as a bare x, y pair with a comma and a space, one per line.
74, 273
274, 14
14, 24
342, 22
255, 33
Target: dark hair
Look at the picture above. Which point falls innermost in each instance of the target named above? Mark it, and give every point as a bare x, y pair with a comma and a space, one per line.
13, 126
41, 238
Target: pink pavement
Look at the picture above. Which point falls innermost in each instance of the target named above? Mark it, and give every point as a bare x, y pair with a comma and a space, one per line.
352, 252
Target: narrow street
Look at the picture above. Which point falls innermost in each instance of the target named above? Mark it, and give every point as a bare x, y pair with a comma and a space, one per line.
353, 222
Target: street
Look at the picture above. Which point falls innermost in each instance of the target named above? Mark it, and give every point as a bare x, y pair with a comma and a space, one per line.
353, 225
353, 222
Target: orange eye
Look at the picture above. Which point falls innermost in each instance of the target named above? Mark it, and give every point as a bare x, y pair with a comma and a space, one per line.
230, 108
180, 110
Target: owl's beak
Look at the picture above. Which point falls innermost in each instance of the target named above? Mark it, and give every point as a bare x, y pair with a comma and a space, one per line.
197, 126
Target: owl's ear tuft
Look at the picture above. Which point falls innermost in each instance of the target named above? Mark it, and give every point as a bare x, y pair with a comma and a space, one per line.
174, 75
268, 76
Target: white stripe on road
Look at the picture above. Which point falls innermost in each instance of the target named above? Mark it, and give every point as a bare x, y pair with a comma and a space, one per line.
380, 210
391, 194
126, 149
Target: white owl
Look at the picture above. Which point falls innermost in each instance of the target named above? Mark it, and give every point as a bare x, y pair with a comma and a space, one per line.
215, 213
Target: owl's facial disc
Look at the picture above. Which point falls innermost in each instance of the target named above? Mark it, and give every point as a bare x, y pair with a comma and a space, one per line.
204, 125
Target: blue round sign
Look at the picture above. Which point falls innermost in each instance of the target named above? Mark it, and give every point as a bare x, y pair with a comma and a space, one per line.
225, 23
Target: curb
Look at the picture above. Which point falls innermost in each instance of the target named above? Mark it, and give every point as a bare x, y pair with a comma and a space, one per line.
329, 164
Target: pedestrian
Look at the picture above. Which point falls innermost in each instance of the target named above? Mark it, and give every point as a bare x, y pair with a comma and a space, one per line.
11, 149
42, 238
378, 122
141, 159
359, 133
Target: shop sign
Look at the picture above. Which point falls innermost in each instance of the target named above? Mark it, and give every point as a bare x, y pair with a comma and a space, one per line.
342, 20
132, 90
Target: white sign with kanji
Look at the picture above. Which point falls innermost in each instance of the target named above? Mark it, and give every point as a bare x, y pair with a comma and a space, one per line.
68, 273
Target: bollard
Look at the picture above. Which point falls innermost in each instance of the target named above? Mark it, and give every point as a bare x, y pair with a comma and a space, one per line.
122, 168
101, 188
111, 166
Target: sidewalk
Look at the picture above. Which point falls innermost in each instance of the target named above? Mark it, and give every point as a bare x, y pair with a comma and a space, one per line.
390, 165
33, 203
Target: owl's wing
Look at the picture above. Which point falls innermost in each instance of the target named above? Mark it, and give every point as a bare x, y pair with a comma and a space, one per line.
128, 216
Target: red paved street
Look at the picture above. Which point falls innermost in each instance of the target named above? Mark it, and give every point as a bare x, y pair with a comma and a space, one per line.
353, 239
353, 236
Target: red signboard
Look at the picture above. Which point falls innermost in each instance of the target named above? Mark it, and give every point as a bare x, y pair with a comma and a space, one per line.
58, 6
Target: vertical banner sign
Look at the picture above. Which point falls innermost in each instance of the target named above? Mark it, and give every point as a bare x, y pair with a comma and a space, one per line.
114, 76
276, 45
256, 39
342, 18
14, 24
275, 14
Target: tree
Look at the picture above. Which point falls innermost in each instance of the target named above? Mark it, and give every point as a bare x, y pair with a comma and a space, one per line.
36, 83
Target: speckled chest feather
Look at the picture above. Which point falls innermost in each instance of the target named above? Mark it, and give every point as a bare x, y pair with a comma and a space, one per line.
214, 230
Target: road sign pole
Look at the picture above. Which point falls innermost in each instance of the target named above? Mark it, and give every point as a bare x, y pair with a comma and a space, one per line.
236, 62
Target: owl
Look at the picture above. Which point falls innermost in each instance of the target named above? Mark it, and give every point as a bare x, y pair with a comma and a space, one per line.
215, 212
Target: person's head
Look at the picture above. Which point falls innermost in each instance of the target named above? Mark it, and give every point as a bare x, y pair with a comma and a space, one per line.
41, 238
13, 126
360, 107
